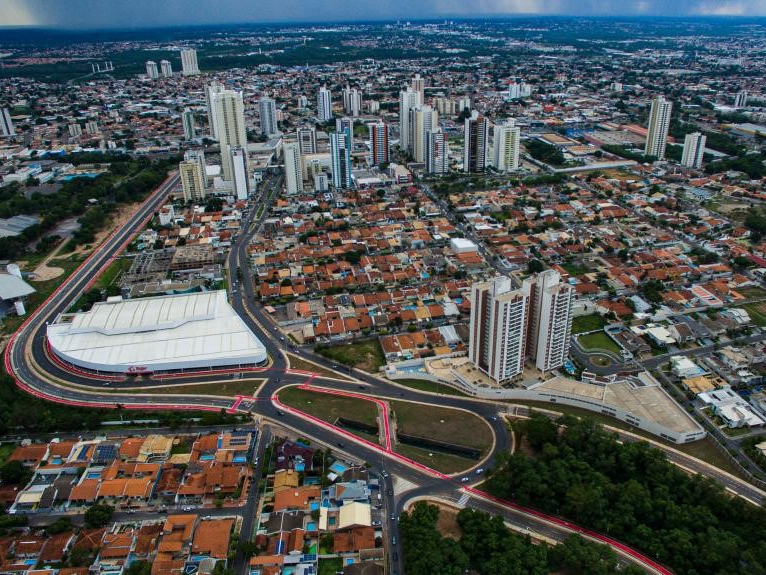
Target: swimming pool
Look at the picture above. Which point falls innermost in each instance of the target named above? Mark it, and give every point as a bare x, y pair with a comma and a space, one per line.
338, 467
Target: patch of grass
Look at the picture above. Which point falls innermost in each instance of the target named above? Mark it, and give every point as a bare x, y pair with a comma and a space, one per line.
330, 407
599, 340
5, 451
112, 272
365, 355
590, 322
331, 565
756, 311
575, 269
752, 292
436, 460
229, 389
442, 424
432, 386
299, 363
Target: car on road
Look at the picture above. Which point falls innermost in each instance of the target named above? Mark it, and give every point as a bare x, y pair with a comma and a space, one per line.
341, 444
480, 471
390, 492
392, 517
280, 413
464, 480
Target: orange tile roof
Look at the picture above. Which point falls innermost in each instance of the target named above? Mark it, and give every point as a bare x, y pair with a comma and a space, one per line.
212, 537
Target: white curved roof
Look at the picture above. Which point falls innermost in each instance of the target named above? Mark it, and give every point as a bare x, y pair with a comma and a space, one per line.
158, 333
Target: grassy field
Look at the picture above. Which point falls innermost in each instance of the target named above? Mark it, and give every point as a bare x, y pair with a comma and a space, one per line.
432, 386
442, 424
330, 407
5, 451
575, 270
752, 292
599, 340
112, 272
365, 355
590, 322
435, 460
757, 312
225, 388
298, 363
703, 449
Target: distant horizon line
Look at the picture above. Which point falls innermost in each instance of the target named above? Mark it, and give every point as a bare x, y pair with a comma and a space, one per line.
439, 19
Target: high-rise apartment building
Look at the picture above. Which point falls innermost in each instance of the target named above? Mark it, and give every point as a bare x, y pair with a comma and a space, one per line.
423, 119
694, 150
507, 326
324, 104
436, 152
419, 85
340, 159
506, 147
293, 171
307, 140
210, 94
230, 125
659, 124
91, 127
189, 65
549, 319
345, 124
352, 101
379, 143
192, 173
740, 99
476, 135
166, 68
151, 70
6, 124
498, 329
268, 111
187, 117
75, 130
409, 99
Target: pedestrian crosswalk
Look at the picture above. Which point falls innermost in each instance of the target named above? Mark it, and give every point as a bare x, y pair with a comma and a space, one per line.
463, 500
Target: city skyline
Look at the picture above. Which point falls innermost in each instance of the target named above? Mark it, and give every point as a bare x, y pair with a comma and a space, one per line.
87, 14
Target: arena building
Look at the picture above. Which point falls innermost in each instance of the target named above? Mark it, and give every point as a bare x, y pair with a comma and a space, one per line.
166, 333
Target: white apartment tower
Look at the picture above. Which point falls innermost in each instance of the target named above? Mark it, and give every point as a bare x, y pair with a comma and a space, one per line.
210, 94
423, 119
476, 136
549, 319
151, 70
436, 152
507, 142
498, 329
268, 111
694, 150
409, 99
307, 140
419, 85
352, 101
192, 173
230, 125
6, 125
75, 130
293, 171
166, 68
740, 99
324, 104
189, 65
659, 123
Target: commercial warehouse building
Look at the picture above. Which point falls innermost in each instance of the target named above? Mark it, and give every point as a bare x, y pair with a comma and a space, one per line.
167, 333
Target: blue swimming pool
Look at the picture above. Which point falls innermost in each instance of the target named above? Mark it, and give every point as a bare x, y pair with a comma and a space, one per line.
206, 457
240, 459
311, 526
338, 467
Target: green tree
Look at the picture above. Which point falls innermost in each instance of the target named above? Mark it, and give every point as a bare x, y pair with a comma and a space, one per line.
98, 515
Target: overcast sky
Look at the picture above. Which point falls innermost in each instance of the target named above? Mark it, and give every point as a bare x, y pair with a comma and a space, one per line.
132, 13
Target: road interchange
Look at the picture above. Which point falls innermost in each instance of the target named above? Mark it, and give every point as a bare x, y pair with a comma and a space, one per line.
35, 370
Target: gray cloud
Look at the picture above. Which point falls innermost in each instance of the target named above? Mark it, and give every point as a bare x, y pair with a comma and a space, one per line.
137, 13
